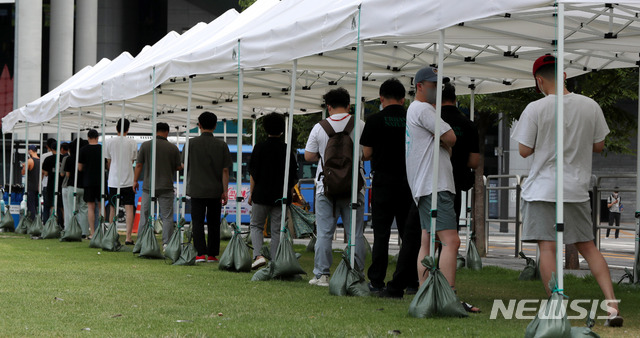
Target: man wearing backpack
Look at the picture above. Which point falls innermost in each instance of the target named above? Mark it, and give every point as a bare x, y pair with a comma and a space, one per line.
331, 142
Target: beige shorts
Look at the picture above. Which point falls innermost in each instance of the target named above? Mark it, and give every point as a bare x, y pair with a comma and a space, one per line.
539, 220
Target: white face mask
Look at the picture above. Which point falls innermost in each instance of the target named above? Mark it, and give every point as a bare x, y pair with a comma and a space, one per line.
381, 107
540, 87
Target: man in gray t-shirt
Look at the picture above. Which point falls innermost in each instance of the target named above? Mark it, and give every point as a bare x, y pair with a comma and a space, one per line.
167, 163
207, 184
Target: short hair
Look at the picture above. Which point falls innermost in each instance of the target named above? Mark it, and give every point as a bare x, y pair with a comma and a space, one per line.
162, 126
392, 89
337, 98
273, 124
51, 143
208, 120
449, 93
92, 134
64, 146
119, 125
547, 71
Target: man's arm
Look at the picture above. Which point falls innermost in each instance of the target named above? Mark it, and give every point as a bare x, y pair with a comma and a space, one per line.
108, 165
474, 160
311, 157
252, 184
598, 147
448, 140
225, 185
136, 175
80, 167
367, 153
524, 150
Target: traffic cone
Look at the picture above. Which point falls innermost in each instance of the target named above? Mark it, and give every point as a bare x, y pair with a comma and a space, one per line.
136, 218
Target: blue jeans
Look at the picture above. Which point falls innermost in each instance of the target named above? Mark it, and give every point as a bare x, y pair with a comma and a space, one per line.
326, 221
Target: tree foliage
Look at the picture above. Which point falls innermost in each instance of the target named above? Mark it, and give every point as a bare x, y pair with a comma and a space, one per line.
244, 4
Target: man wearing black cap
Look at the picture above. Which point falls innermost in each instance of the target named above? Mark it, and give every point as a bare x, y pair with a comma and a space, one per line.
584, 132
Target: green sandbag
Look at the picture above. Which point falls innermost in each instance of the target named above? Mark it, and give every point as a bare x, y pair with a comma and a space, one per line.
236, 256
285, 263
302, 220
187, 252
96, 240
435, 296
473, 261
263, 274
311, 247
157, 226
530, 272
111, 239
554, 322
34, 228
23, 223
7, 222
138, 245
346, 281
72, 232
460, 261
583, 332
225, 229
149, 247
51, 229
172, 251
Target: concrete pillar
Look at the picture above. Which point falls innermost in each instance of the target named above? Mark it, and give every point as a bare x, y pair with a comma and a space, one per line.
86, 47
61, 42
28, 52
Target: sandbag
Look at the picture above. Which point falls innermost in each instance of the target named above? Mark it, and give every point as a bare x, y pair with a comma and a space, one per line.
172, 251
96, 240
236, 256
72, 232
553, 322
311, 246
187, 252
7, 222
138, 245
111, 239
149, 247
460, 262
473, 261
226, 231
157, 226
303, 221
51, 229
34, 228
435, 296
23, 223
346, 281
285, 263
263, 274
531, 271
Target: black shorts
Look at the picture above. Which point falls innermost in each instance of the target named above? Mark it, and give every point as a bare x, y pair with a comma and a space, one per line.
127, 196
91, 194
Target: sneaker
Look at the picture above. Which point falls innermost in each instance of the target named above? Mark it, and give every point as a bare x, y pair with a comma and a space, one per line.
200, 259
375, 291
258, 263
388, 293
211, 259
320, 280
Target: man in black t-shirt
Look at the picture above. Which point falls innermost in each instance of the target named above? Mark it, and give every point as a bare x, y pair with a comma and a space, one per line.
465, 154
49, 169
89, 163
383, 141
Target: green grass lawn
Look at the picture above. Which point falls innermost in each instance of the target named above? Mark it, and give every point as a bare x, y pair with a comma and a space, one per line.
49, 288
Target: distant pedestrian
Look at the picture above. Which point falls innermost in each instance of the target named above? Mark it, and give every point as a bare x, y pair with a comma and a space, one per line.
267, 170
89, 163
207, 185
33, 179
614, 203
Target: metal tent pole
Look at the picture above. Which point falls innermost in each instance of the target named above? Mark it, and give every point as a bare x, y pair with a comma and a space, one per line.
436, 152
11, 169
26, 163
560, 147
287, 161
239, 143
122, 150
40, 196
472, 107
637, 243
355, 173
152, 187
75, 175
186, 148
253, 125
102, 181
57, 165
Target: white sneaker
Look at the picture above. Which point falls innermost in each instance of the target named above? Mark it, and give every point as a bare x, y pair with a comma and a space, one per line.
258, 263
321, 280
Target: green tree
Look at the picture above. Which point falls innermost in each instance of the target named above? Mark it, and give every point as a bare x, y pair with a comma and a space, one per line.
244, 4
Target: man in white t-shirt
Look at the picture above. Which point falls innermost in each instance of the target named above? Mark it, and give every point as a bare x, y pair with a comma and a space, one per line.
584, 132
421, 144
120, 153
328, 209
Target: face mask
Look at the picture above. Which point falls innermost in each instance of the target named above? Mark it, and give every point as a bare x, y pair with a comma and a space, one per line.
431, 96
540, 87
381, 107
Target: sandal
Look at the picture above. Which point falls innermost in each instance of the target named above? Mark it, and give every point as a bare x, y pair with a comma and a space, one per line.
129, 243
614, 321
470, 308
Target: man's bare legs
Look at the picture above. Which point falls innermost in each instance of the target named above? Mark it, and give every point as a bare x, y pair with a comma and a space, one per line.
448, 257
91, 216
594, 258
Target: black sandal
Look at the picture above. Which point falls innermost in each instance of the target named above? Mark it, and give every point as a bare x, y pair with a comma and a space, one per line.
470, 308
